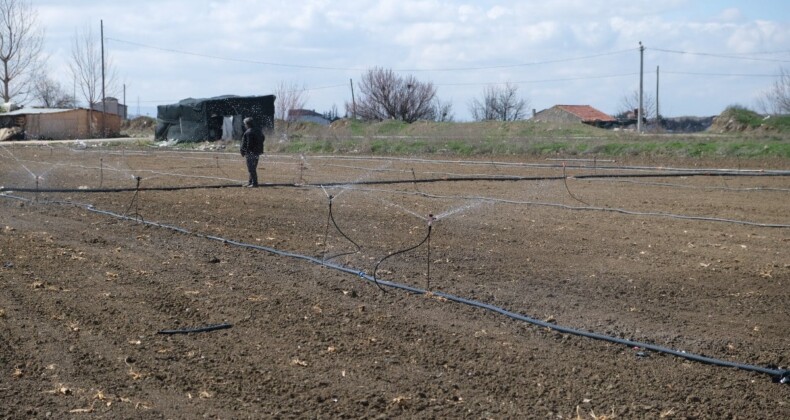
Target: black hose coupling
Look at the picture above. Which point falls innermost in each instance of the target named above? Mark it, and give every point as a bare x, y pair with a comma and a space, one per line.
783, 377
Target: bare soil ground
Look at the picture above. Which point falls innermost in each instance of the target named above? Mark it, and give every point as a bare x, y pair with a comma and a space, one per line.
83, 294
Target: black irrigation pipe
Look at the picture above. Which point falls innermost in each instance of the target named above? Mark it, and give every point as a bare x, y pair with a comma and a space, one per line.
124, 189
403, 251
552, 165
406, 181
778, 375
207, 328
331, 217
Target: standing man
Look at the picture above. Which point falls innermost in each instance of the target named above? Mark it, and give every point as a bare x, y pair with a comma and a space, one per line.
251, 149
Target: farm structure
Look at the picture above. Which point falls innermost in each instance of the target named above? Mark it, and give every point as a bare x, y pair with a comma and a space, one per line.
147, 283
575, 114
112, 105
213, 118
307, 115
66, 124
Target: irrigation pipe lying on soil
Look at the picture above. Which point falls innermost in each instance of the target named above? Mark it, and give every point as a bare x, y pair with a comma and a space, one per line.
491, 178
207, 328
4, 190
777, 375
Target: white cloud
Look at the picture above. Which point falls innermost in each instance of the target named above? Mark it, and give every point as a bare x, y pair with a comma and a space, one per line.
757, 36
352, 35
497, 12
731, 14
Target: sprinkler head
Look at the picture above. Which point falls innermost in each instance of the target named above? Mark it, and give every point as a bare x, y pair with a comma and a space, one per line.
431, 219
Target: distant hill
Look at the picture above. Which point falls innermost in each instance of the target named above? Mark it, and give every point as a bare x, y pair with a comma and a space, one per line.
739, 119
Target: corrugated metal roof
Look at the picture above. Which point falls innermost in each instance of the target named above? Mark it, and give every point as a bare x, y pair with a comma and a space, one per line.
30, 111
587, 113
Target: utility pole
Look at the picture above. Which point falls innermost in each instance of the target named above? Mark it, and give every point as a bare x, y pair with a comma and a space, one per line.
658, 113
124, 102
639, 112
353, 101
103, 110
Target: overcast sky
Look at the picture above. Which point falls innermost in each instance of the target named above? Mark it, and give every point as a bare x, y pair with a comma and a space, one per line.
711, 53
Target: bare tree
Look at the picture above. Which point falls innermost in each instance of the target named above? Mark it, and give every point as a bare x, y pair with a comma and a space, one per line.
21, 43
385, 95
86, 67
499, 103
288, 96
50, 94
332, 114
442, 111
629, 104
776, 100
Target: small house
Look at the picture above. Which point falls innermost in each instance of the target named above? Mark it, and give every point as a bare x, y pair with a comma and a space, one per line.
307, 115
584, 114
112, 106
60, 124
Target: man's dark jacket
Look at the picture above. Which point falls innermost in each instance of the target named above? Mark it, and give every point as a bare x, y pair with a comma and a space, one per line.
252, 142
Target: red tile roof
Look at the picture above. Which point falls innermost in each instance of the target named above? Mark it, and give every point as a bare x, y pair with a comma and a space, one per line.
587, 113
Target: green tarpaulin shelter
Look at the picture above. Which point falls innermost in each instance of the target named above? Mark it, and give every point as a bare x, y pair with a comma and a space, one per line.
213, 118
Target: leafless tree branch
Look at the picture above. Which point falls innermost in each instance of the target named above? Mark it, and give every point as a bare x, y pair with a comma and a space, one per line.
630, 103
776, 100
499, 103
51, 94
385, 95
288, 96
21, 46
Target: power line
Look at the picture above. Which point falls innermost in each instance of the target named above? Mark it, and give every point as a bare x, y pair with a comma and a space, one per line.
448, 69
533, 63
301, 90
720, 74
732, 57
566, 79
237, 60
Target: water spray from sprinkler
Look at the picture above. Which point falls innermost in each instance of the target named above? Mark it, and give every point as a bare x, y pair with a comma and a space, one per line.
302, 167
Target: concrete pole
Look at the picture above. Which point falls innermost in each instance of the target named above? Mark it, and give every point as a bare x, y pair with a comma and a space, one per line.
640, 111
103, 110
353, 101
658, 113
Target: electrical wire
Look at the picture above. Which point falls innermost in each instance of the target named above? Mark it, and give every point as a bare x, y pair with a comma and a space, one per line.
301, 66
732, 57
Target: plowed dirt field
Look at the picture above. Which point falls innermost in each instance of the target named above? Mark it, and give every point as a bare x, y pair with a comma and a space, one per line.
699, 263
